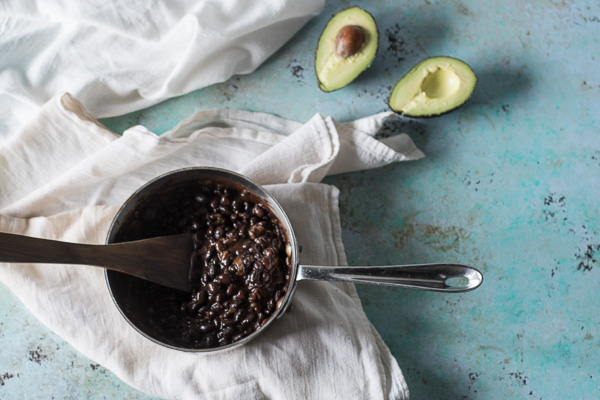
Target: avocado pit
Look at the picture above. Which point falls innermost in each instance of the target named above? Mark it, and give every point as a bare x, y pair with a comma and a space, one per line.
349, 41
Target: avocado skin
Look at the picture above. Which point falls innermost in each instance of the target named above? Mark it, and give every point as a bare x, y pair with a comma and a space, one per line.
446, 111
375, 31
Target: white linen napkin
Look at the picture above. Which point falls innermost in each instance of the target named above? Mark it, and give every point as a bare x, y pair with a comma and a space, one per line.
64, 177
118, 56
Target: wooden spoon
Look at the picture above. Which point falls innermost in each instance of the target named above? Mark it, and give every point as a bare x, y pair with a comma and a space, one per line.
165, 260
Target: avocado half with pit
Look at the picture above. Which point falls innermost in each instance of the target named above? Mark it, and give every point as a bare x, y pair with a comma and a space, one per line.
433, 87
346, 48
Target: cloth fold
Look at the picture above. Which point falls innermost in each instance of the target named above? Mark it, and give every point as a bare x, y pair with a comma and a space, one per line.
120, 56
64, 177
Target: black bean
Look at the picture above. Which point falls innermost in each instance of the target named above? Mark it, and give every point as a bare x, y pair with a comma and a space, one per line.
225, 201
205, 277
240, 315
278, 295
230, 311
228, 332
231, 289
271, 304
254, 276
212, 287
255, 294
223, 279
266, 277
266, 261
238, 264
235, 303
255, 231
224, 210
212, 270
238, 337
225, 258
258, 210
206, 327
202, 310
200, 297
220, 297
201, 198
208, 341
209, 253
249, 318
275, 244
240, 295
261, 242
227, 322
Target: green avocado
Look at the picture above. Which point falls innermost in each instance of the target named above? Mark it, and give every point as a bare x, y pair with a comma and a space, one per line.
346, 48
433, 87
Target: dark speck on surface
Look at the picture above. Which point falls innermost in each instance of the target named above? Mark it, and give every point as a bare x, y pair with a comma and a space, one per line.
520, 377
297, 69
554, 205
37, 355
592, 18
230, 88
596, 156
588, 257
5, 377
393, 127
99, 369
396, 43
473, 376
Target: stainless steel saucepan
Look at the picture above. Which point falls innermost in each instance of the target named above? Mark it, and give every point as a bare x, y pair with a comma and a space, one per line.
451, 278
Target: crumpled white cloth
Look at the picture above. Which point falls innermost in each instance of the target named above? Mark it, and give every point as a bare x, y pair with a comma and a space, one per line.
64, 176
118, 56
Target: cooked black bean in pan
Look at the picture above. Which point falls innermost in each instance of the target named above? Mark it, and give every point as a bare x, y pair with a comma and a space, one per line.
239, 268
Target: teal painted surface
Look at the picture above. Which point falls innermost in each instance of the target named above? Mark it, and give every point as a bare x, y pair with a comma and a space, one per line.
510, 184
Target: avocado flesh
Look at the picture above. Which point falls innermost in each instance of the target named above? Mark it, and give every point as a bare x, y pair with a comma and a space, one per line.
335, 72
434, 86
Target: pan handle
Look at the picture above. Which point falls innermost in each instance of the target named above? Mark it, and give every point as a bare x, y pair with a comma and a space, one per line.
453, 278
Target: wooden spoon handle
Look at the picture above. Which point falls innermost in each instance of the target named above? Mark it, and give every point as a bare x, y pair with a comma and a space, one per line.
164, 260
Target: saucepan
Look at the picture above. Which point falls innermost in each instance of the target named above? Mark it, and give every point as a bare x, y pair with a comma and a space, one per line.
247, 263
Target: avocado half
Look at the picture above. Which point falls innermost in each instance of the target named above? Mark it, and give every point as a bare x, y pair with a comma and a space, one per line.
433, 87
346, 48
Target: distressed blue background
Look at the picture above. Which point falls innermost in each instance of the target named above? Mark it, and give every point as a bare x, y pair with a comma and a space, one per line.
510, 184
